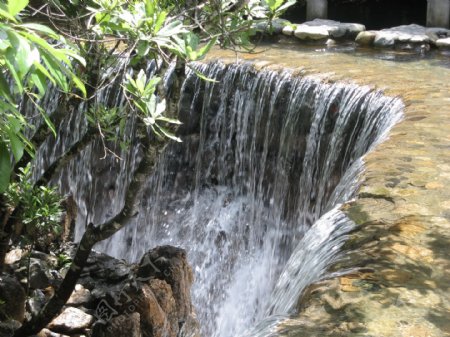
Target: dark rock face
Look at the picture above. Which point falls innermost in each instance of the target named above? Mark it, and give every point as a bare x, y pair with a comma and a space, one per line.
113, 298
149, 300
122, 325
12, 296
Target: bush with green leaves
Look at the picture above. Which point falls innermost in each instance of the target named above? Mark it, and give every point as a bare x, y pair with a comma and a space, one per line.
42, 208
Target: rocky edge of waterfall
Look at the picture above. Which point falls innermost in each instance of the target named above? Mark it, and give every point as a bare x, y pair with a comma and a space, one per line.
112, 298
407, 37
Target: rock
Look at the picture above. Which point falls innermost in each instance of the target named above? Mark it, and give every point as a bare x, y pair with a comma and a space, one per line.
353, 29
50, 260
36, 302
80, 296
103, 267
48, 333
155, 294
404, 36
334, 29
71, 320
276, 28
7, 327
366, 38
13, 296
331, 43
170, 264
38, 277
13, 256
154, 319
278, 25
289, 30
443, 43
384, 40
123, 325
304, 32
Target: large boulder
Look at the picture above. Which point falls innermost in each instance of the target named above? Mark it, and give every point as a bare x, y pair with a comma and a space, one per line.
122, 325
169, 264
155, 295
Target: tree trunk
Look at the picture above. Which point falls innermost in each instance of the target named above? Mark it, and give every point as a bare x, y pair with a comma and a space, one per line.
92, 235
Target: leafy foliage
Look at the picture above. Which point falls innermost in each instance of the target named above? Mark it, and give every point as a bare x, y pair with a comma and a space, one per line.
149, 107
27, 63
41, 206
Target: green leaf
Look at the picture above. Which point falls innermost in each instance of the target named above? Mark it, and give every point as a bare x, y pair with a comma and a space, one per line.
159, 22
143, 48
173, 28
150, 7
16, 6
286, 5
141, 80
56, 71
5, 167
15, 124
16, 145
4, 41
4, 88
58, 54
167, 133
15, 75
202, 76
169, 120
4, 13
40, 28
39, 67
38, 79
205, 49
79, 85
22, 53
47, 121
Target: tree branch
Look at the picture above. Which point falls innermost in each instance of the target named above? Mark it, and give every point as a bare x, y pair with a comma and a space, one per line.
91, 236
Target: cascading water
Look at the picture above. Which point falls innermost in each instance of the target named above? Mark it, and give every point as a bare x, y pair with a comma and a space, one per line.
253, 191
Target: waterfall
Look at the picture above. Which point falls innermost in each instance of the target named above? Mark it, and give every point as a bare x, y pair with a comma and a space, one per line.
253, 192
